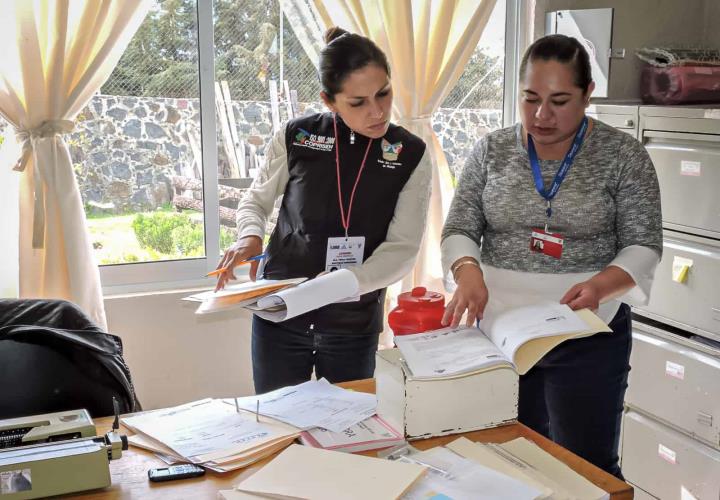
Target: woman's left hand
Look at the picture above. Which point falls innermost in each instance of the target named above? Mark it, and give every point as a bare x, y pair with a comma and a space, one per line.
582, 295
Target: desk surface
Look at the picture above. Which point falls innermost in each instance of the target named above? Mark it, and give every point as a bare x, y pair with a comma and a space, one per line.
129, 474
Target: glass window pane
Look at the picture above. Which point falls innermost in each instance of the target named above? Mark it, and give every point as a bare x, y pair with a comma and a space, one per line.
137, 150
256, 54
475, 105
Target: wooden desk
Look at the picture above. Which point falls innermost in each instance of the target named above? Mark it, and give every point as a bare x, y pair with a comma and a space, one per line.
129, 474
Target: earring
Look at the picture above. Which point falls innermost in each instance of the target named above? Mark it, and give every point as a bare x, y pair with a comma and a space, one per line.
352, 137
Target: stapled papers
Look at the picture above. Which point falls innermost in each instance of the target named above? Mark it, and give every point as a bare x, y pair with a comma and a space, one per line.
316, 403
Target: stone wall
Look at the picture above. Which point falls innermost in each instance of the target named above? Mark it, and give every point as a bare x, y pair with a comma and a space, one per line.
125, 150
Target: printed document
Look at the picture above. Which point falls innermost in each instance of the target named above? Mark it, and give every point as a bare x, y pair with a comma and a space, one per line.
519, 336
316, 403
206, 430
337, 286
450, 475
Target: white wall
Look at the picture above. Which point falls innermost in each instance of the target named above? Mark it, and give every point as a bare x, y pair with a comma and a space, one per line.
175, 356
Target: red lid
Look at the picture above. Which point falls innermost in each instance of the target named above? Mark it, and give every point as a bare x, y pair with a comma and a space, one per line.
420, 298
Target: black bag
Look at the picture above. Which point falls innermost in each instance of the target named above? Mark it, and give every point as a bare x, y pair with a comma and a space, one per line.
53, 358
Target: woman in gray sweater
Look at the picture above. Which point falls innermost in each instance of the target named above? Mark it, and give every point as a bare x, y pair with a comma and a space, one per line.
559, 207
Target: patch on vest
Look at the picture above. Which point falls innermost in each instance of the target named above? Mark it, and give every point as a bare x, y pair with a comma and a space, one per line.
305, 139
391, 151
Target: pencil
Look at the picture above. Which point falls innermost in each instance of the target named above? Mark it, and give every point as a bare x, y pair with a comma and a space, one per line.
246, 261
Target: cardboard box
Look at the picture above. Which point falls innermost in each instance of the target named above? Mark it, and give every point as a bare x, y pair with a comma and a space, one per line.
423, 408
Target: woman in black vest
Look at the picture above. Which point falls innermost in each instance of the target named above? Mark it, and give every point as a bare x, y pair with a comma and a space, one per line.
348, 173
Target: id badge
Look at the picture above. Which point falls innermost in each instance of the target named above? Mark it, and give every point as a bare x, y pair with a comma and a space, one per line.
344, 252
548, 243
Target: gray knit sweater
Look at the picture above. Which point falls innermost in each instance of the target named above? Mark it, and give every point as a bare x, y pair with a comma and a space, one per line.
609, 200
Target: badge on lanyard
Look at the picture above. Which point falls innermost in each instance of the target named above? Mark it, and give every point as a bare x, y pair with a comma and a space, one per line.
345, 251
544, 241
548, 243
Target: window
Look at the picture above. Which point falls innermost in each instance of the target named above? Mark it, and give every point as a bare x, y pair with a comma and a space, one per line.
161, 171
475, 105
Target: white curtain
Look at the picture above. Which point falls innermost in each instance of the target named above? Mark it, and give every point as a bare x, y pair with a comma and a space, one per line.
428, 43
306, 23
56, 55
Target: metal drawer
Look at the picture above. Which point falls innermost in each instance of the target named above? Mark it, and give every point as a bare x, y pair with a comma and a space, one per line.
623, 118
675, 383
688, 169
622, 122
668, 464
694, 304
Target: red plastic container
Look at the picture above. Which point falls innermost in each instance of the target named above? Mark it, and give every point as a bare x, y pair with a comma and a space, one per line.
680, 84
417, 311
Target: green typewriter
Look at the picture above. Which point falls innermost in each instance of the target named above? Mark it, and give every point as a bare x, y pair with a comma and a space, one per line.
55, 453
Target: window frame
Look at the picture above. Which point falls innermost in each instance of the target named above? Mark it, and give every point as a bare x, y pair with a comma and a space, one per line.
189, 273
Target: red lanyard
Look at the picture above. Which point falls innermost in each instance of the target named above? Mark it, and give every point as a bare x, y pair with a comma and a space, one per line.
346, 220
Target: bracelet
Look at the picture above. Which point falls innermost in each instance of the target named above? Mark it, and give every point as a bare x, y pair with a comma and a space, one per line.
463, 262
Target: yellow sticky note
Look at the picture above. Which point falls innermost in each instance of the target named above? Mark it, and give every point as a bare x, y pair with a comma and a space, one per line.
680, 268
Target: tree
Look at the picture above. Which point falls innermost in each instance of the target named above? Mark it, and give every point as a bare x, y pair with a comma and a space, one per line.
481, 83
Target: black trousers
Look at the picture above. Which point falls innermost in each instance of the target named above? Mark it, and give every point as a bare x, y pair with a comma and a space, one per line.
283, 357
574, 395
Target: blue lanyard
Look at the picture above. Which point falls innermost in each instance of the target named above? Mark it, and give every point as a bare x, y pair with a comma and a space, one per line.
562, 171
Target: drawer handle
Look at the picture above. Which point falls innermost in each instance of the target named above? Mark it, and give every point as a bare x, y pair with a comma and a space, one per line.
629, 123
715, 310
704, 418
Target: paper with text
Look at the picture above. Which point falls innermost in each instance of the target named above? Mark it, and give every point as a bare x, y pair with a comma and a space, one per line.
208, 430
313, 404
448, 352
465, 479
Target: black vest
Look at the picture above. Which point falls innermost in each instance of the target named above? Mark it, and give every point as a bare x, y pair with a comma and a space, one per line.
310, 210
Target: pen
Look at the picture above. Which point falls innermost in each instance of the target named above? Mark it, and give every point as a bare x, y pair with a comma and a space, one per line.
246, 261
237, 406
257, 411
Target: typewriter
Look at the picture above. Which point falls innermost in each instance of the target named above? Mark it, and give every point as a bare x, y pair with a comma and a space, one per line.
55, 453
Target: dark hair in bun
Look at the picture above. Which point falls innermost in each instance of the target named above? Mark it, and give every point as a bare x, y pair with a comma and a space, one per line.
564, 49
344, 53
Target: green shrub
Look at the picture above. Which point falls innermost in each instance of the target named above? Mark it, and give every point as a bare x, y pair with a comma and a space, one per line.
227, 238
155, 230
189, 239
175, 234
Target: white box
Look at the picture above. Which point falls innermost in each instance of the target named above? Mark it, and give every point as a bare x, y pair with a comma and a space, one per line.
423, 408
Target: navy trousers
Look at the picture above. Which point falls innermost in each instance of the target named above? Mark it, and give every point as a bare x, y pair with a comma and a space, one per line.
574, 395
284, 357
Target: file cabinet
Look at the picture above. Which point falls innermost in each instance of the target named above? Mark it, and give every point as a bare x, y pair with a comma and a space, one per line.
671, 425
664, 462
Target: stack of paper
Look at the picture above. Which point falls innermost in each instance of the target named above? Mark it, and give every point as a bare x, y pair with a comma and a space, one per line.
451, 476
527, 462
316, 403
371, 434
312, 473
239, 295
210, 433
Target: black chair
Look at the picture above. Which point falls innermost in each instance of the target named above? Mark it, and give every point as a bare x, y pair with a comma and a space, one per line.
53, 358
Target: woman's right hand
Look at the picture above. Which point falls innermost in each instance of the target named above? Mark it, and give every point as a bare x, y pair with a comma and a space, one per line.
471, 295
243, 249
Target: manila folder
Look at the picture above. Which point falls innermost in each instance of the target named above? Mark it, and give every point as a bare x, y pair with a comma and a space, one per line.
306, 472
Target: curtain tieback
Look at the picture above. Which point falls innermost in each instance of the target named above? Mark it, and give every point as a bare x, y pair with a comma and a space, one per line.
47, 128
26, 138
